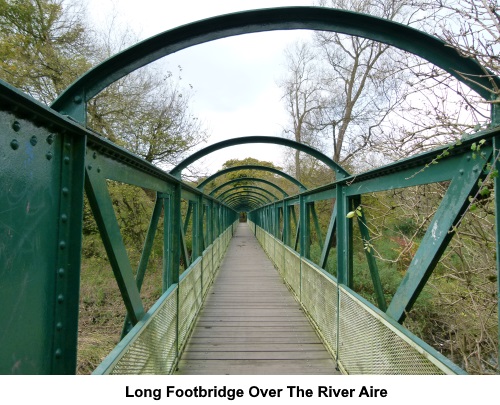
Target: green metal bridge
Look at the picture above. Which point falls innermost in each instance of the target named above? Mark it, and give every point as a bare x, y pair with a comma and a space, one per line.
49, 160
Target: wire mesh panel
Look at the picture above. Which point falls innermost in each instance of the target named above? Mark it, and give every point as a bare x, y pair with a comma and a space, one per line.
279, 256
206, 266
150, 348
292, 270
190, 299
215, 253
319, 299
369, 344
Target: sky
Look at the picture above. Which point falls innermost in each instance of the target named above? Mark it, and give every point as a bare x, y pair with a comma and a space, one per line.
234, 79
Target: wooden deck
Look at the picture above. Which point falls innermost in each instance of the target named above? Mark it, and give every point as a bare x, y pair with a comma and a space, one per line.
250, 323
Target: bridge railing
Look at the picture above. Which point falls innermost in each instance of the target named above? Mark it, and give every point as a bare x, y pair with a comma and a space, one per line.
154, 345
362, 339
47, 161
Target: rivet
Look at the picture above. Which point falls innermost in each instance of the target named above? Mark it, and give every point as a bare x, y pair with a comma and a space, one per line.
50, 139
61, 272
77, 100
468, 158
14, 144
49, 155
62, 245
58, 353
474, 170
94, 155
16, 126
64, 218
60, 298
33, 140
461, 172
59, 326
65, 190
66, 159
67, 145
89, 167
98, 170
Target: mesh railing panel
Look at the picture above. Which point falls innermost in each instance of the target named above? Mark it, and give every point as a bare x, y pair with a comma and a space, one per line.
206, 265
319, 299
154, 348
215, 253
367, 343
279, 256
370, 345
292, 270
189, 300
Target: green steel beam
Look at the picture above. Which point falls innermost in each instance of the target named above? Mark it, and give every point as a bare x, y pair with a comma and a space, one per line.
467, 70
247, 187
202, 185
261, 200
177, 170
104, 214
251, 179
316, 225
329, 238
372, 263
265, 198
438, 235
188, 216
145, 255
239, 198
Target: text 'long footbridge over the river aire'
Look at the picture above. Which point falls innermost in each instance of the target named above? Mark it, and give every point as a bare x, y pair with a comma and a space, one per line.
234, 309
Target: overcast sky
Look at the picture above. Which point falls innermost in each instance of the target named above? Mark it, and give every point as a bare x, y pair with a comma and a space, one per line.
234, 78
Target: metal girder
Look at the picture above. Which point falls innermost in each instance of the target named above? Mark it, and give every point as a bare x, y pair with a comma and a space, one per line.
145, 255
104, 214
467, 70
269, 196
264, 198
286, 176
246, 198
339, 170
438, 235
251, 179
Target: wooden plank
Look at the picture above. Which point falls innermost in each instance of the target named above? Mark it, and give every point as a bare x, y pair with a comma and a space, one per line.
251, 323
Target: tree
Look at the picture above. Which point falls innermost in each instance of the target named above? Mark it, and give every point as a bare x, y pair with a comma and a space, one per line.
340, 89
44, 45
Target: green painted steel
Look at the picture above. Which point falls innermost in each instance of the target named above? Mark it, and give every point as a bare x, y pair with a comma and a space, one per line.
468, 71
336, 168
348, 324
47, 160
270, 196
42, 161
238, 196
286, 176
248, 179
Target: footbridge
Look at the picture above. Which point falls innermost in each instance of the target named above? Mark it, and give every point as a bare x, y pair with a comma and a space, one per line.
273, 294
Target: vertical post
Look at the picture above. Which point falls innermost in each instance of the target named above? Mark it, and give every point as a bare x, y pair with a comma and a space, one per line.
286, 223
305, 236
496, 151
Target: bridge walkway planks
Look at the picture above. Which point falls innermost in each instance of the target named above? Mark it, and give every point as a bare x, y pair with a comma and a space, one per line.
250, 322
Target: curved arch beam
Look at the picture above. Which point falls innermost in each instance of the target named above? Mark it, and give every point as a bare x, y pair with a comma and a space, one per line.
202, 185
177, 170
262, 197
253, 179
251, 203
73, 100
249, 187
240, 198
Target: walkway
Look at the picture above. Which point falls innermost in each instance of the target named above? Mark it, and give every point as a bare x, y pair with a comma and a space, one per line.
250, 323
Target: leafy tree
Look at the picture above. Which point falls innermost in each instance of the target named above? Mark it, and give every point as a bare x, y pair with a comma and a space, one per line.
44, 45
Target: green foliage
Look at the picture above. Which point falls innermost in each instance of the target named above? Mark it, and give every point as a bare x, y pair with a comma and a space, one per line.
43, 47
